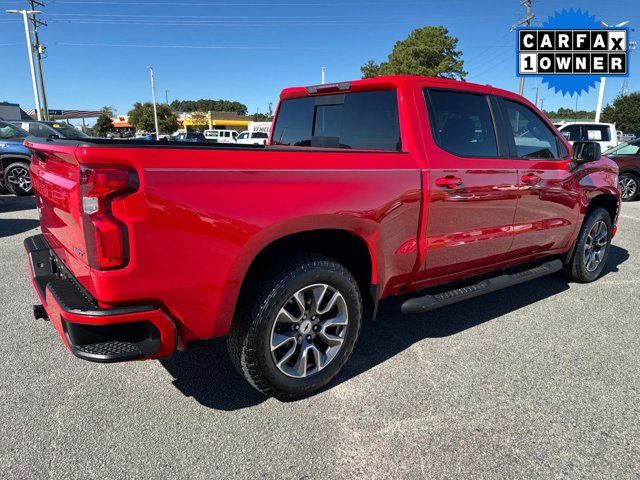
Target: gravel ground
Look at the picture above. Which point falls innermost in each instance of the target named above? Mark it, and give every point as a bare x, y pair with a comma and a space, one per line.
541, 380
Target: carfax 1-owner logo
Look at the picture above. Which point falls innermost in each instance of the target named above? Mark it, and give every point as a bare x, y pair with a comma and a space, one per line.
572, 51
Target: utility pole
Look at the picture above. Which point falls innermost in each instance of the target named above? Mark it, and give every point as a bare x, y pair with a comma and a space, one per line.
525, 21
166, 96
536, 89
324, 69
542, 104
39, 50
155, 106
27, 34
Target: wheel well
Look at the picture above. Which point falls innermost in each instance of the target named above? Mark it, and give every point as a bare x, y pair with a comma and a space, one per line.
339, 245
633, 172
6, 161
606, 201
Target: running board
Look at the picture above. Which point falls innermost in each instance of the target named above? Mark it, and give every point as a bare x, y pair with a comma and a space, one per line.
431, 302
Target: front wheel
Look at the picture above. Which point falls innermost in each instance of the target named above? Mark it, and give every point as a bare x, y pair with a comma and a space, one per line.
17, 179
592, 247
629, 187
298, 326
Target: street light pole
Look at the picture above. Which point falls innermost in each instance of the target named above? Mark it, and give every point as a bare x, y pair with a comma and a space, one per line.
155, 106
603, 83
27, 34
603, 80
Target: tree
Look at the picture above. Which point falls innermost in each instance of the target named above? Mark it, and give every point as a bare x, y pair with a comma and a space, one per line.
370, 69
426, 51
208, 105
570, 114
199, 120
141, 117
104, 124
624, 112
262, 117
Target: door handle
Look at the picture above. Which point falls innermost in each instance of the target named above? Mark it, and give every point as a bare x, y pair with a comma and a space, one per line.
530, 179
449, 182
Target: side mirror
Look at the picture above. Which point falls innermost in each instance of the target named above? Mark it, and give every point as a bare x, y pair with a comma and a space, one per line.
585, 152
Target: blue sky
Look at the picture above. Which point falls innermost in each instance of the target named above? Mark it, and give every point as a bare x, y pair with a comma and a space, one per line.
248, 50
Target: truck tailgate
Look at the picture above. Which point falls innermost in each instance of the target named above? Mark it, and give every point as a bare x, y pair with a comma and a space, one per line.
55, 174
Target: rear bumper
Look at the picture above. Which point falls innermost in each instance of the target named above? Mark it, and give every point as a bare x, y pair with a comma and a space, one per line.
93, 333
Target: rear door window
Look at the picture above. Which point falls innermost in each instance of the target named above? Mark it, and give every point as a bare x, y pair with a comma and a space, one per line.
597, 133
8, 131
533, 138
572, 133
364, 120
461, 123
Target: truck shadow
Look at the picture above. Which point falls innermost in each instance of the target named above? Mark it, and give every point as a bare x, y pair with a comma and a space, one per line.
207, 375
14, 226
11, 203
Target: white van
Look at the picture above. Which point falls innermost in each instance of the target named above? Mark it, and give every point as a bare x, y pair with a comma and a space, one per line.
221, 136
252, 138
603, 133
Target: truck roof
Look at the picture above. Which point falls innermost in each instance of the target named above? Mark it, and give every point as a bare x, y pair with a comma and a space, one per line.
386, 82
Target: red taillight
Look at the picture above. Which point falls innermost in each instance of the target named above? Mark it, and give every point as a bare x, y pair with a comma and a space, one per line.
106, 237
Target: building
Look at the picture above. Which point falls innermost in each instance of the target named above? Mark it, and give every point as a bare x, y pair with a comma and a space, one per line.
122, 126
12, 111
190, 121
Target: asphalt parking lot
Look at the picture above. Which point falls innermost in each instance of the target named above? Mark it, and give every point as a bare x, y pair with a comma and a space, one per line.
541, 380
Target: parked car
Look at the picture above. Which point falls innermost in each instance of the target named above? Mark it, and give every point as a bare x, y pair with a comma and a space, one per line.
627, 156
221, 136
15, 160
252, 138
369, 189
625, 137
603, 133
190, 137
144, 136
51, 129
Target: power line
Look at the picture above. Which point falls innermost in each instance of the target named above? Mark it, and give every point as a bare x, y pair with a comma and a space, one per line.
289, 17
234, 4
196, 47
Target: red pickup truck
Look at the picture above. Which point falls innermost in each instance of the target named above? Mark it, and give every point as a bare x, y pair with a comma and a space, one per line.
366, 189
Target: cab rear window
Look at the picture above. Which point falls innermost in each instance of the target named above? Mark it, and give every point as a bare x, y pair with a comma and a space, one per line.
364, 120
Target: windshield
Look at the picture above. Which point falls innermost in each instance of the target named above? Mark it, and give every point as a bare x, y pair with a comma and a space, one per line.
68, 131
8, 131
624, 149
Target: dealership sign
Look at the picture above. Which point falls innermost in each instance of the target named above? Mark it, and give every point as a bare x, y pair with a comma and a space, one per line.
572, 52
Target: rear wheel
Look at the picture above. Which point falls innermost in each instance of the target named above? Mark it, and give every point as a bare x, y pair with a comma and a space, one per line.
629, 186
17, 179
297, 327
592, 248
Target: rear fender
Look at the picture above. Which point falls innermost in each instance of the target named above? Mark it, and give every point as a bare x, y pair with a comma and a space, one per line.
366, 231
